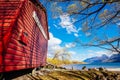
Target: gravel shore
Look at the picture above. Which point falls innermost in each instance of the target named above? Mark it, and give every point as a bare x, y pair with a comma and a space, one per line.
59, 74
113, 69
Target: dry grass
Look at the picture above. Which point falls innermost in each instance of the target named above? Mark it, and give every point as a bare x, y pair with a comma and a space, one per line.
73, 75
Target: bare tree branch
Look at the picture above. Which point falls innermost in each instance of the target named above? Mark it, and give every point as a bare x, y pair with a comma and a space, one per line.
113, 47
89, 11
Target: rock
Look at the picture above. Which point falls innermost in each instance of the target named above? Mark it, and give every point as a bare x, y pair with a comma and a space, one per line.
102, 69
100, 77
84, 68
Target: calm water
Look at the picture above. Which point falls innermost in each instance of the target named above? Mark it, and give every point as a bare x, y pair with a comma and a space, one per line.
105, 65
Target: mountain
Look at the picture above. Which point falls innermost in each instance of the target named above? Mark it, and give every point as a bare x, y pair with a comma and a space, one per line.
96, 59
114, 58
103, 58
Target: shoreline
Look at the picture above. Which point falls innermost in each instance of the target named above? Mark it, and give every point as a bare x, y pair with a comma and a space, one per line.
113, 69
109, 66
92, 74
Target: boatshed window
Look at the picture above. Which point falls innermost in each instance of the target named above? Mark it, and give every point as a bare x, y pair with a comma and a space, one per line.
23, 37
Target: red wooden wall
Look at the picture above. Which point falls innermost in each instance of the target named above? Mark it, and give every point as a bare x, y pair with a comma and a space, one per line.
22, 44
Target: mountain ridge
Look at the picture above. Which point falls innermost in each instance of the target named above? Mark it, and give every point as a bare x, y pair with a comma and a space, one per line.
104, 58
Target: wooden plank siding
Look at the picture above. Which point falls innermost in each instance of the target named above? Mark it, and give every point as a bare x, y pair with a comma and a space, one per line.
30, 52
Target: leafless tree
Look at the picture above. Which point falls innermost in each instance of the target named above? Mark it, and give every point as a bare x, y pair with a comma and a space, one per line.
62, 54
94, 15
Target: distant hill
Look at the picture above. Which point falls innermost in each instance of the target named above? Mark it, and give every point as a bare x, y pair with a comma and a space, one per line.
103, 58
114, 58
96, 59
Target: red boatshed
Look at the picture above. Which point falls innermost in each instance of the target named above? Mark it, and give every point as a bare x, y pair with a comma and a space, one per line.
23, 35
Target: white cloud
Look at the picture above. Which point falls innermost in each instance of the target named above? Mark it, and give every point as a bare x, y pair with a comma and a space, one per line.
53, 44
118, 24
77, 56
82, 56
70, 45
99, 53
79, 28
48, 27
53, 40
87, 33
56, 26
90, 53
72, 52
76, 35
73, 20
67, 23
74, 55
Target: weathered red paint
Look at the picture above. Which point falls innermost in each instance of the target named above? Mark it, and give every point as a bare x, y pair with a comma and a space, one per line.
22, 44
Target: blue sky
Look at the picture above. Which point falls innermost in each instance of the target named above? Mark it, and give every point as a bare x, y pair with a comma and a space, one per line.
63, 33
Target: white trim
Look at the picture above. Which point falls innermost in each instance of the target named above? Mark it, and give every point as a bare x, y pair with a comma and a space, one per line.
39, 24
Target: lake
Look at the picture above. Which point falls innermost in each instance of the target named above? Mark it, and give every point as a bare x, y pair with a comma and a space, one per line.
97, 65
